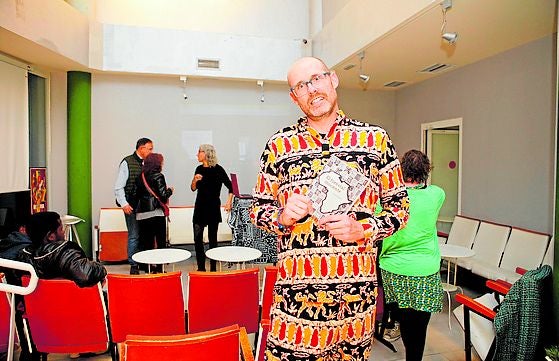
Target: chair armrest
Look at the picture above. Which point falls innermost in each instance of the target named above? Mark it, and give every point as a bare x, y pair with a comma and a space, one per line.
499, 286
246, 348
475, 306
442, 234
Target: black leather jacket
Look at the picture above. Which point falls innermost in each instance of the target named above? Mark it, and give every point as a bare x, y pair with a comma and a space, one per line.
63, 259
147, 202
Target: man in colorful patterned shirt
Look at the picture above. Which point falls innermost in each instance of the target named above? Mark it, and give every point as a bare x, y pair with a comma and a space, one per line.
324, 297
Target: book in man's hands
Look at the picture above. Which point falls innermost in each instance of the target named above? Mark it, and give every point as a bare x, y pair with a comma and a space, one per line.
336, 188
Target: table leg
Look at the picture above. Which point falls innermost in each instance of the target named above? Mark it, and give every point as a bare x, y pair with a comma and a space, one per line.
448, 271
455, 268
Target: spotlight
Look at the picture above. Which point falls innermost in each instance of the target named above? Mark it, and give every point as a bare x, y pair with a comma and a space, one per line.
260, 83
450, 37
447, 36
183, 79
363, 78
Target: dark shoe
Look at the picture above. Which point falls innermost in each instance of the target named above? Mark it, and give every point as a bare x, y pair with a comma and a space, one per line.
156, 268
134, 270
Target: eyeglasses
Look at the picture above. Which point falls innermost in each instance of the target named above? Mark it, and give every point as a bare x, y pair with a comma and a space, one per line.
302, 87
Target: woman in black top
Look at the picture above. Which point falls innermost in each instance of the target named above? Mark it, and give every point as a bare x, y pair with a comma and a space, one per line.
208, 179
150, 211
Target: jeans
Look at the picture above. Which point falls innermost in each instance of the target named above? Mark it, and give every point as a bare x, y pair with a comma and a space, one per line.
133, 236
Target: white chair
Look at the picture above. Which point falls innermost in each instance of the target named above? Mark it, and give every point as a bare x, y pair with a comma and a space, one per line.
463, 231
525, 249
111, 238
483, 333
179, 227
548, 258
489, 244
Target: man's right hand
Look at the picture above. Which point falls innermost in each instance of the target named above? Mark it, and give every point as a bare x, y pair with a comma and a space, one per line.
296, 207
127, 209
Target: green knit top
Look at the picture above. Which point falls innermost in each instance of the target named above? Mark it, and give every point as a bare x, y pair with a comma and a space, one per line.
414, 250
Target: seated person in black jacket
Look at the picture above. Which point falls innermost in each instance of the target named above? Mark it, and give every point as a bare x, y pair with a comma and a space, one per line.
53, 257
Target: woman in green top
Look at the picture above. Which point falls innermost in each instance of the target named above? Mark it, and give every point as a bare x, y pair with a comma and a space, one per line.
410, 258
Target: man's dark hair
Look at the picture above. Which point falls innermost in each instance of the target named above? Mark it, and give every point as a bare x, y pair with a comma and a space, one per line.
142, 141
39, 225
415, 166
153, 163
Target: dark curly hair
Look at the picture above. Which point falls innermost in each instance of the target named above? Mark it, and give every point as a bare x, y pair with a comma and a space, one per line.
40, 225
153, 163
415, 166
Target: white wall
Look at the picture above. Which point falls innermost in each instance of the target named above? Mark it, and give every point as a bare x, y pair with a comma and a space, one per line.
125, 108
507, 104
375, 107
357, 22
252, 39
286, 19
54, 25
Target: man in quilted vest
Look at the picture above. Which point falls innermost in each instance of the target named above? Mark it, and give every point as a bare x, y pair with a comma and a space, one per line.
125, 192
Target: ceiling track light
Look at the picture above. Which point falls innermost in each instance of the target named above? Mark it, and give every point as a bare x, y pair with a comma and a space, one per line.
363, 78
183, 79
260, 83
449, 37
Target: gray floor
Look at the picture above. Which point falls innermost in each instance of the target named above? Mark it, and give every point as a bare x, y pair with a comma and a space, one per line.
443, 344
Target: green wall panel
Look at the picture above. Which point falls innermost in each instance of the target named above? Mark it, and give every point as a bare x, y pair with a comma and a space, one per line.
79, 153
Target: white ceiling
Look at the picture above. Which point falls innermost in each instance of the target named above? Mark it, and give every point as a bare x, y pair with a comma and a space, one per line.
485, 28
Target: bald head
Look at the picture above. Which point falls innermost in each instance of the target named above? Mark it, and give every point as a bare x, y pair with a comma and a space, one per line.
304, 63
316, 91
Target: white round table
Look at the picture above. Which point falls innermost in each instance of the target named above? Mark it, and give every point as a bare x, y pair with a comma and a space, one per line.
452, 252
235, 254
162, 256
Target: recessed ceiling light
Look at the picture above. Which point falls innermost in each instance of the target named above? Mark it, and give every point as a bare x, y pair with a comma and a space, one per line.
394, 84
435, 68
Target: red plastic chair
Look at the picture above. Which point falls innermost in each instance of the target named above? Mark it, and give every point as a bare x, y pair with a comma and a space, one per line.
224, 344
149, 305
267, 295
64, 318
219, 299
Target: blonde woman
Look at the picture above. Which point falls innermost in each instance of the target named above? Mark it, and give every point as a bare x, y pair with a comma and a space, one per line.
208, 179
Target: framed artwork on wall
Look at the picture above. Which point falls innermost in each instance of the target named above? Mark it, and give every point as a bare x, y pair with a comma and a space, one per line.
38, 185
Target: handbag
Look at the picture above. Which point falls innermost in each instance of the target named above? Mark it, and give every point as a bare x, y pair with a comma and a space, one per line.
163, 205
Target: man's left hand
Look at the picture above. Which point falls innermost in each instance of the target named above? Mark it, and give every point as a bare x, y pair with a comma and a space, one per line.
343, 227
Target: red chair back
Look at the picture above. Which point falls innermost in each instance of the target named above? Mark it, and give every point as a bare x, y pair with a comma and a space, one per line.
150, 305
64, 318
220, 344
262, 338
219, 299
267, 296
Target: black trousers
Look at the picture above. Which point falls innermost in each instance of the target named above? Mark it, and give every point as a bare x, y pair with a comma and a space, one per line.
153, 233
413, 328
199, 245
